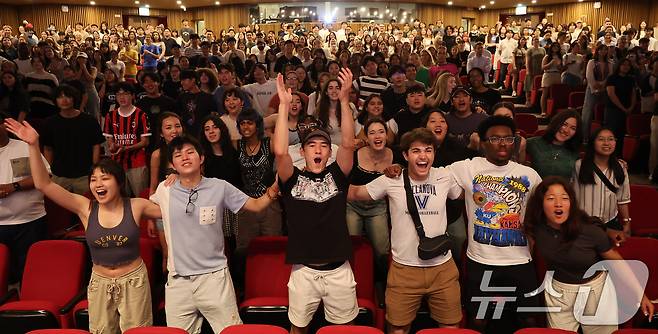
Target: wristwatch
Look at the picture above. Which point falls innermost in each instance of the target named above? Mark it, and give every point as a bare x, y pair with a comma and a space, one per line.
17, 186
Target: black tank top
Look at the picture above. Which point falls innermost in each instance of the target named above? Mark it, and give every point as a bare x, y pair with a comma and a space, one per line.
361, 176
115, 246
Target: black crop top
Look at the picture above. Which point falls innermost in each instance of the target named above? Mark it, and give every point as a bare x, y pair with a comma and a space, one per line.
360, 176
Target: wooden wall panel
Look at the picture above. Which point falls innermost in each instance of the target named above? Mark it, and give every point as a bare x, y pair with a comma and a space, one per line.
216, 17
449, 15
619, 11
9, 15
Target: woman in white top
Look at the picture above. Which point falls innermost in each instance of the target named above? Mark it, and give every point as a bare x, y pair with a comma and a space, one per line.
329, 110
602, 185
573, 61
597, 72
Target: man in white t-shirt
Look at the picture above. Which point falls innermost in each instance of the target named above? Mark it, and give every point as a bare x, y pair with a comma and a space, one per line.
410, 278
262, 90
22, 212
496, 191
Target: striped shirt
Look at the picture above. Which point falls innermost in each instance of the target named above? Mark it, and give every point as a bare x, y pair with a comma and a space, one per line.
41, 87
367, 85
596, 199
128, 130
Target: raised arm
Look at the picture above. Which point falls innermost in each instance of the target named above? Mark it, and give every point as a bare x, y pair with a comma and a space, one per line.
284, 164
72, 202
345, 154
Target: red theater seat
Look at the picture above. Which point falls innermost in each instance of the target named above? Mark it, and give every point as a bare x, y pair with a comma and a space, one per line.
338, 329
52, 284
155, 330
252, 329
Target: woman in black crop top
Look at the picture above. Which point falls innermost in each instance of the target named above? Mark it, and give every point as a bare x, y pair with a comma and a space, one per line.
570, 243
119, 285
369, 163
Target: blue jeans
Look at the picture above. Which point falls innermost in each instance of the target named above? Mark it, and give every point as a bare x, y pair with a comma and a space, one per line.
591, 100
372, 215
457, 231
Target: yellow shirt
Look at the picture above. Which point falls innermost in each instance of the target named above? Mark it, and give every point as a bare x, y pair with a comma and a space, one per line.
131, 67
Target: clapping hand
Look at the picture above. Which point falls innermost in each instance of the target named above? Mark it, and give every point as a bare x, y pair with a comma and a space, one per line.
285, 94
345, 77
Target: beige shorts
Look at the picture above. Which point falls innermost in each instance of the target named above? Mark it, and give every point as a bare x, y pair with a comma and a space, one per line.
192, 298
335, 288
566, 299
406, 287
118, 304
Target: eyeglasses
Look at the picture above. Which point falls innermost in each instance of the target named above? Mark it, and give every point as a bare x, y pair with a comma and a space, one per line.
501, 140
194, 195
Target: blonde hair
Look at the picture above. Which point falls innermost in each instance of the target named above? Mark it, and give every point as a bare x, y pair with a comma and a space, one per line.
439, 90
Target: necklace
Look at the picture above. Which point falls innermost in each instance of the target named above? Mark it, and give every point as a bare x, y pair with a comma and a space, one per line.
376, 162
252, 151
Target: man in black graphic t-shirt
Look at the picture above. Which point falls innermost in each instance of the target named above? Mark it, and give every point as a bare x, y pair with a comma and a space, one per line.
318, 245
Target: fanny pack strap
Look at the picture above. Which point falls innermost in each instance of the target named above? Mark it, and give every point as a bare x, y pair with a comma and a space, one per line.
411, 205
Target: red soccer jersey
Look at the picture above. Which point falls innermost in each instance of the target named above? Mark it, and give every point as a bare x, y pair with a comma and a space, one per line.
128, 131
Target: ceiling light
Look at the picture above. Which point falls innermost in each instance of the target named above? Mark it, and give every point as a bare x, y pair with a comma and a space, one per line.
381, 16
449, 3
580, 0
483, 7
92, 2
216, 3
387, 10
492, 2
147, 6
363, 9
534, 1
136, 2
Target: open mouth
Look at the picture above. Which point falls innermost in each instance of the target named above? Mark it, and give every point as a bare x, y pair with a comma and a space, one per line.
422, 164
438, 130
101, 192
317, 160
378, 142
559, 213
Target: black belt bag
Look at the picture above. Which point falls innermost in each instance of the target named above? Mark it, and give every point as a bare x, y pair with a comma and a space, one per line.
428, 248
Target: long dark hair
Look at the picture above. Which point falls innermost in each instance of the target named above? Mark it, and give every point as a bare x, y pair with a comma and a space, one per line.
586, 173
363, 115
322, 112
224, 136
535, 215
554, 126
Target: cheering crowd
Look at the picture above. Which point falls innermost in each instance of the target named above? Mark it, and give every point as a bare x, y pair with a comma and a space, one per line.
398, 132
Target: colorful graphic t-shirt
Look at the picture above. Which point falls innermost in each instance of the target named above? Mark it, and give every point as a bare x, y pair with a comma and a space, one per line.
496, 198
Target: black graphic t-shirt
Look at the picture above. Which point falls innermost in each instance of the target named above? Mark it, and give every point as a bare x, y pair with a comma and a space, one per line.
315, 206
